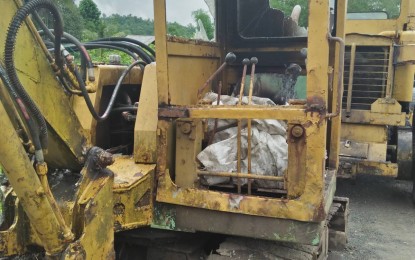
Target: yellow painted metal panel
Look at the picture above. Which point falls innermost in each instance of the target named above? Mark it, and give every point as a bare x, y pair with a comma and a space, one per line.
364, 133
38, 78
145, 129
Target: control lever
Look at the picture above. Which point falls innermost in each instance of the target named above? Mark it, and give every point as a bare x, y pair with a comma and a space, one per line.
229, 59
246, 62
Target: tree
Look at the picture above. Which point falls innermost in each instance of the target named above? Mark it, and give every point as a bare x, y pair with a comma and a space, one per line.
72, 19
391, 7
287, 7
127, 24
206, 21
91, 16
177, 29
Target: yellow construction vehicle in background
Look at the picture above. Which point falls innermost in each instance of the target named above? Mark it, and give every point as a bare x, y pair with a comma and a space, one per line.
378, 83
111, 151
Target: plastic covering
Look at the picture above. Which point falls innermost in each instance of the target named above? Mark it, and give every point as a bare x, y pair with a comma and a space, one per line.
269, 146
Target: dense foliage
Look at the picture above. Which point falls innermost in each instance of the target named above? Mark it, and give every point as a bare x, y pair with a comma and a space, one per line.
391, 7
204, 17
122, 25
86, 22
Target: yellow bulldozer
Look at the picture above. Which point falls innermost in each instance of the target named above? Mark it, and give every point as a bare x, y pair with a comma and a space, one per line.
376, 137
159, 159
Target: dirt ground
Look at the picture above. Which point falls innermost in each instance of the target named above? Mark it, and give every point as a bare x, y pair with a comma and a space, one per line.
382, 219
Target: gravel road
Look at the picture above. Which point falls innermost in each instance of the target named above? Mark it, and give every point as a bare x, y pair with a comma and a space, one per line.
382, 219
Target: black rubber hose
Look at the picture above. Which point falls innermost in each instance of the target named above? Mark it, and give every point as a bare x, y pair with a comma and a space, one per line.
91, 46
139, 51
45, 29
124, 108
73, 40
125, 39
33, 129
84, 54
12, 31
114, 94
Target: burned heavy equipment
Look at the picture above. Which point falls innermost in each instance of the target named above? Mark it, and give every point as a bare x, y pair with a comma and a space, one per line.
179, 158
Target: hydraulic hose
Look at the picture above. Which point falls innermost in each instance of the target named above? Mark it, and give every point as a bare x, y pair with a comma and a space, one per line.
12, 31
33, 129
84, 53
90, 46
125, 108
114, 94
125, 39
45, 29
139, 51
73, 40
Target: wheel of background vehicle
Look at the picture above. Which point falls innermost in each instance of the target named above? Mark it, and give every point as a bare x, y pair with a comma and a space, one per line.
413, 157
404, 152
413, 191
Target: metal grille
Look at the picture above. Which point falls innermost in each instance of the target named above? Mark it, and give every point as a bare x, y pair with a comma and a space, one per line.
369, 77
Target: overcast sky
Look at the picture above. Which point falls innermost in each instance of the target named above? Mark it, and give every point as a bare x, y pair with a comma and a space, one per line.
178, 10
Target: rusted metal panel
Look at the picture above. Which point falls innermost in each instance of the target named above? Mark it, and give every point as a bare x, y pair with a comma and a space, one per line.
296, 163
173, 217
39, 80
189, 136
133, 189
145, 128
173, 112
363, 116
354, 149
338, 223
25, 182
352, 167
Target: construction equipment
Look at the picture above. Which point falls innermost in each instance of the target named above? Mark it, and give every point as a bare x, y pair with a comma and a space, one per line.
379, 80
67, 197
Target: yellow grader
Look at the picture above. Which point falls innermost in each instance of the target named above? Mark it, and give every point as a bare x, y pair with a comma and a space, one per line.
103, 161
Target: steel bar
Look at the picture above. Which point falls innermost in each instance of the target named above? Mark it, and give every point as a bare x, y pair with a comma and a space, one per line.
245, 62
229, 59
212, 135
254, 61
351, 78
239, 175
342, 50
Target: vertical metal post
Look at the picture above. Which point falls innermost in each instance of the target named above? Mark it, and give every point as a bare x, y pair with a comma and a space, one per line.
245, 62
391, 72
254, 61
215, 127
160, 33
351, 79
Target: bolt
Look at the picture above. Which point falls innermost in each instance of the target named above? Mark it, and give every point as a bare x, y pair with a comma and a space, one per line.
297, 131
40, 192
105, 159
186, 128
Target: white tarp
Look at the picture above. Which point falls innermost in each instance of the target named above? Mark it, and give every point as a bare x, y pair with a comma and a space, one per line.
269, 146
